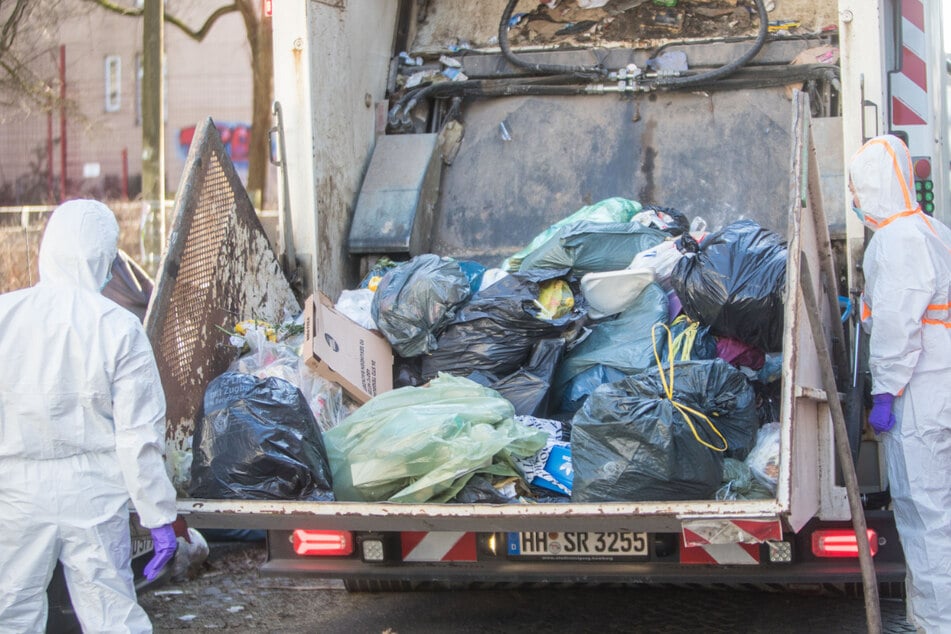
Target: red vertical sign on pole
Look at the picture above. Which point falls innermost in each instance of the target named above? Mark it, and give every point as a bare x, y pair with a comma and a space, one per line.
50, 191
62, 122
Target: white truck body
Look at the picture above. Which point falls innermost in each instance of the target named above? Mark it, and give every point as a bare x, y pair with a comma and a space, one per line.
729, 154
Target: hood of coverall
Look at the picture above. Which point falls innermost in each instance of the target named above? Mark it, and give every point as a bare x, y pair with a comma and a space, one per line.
79, 245
881, 174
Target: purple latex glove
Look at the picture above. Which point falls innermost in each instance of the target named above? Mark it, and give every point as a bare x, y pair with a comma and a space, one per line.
881, 417
164, 544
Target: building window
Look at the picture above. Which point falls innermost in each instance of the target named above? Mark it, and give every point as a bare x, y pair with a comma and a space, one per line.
113, 83
138, 88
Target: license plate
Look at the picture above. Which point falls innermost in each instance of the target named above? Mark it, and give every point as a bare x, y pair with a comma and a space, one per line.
141, 537
141, 546
598, 545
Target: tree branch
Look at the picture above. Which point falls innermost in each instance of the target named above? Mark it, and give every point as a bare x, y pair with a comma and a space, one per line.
11, 25
198, 35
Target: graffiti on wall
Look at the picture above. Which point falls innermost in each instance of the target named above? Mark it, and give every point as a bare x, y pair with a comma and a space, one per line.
235, 136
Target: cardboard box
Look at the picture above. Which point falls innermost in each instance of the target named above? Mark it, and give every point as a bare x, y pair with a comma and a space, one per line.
359, 360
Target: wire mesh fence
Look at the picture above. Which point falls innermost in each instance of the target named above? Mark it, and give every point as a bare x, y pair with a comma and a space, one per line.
21, 230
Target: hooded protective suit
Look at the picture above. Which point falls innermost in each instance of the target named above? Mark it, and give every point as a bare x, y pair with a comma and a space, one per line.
82, 418
907, 309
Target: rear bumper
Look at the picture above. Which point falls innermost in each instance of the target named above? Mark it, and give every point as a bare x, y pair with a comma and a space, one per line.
662, 564
573, 573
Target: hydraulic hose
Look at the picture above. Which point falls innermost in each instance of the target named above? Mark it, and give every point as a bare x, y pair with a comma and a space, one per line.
767, 77
748, 77
558, 79
726, 69
550, 69
556, 85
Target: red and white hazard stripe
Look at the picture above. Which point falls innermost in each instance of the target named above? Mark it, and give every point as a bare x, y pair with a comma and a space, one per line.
440, 546
731, 531
909, 86
733, 554
726, 541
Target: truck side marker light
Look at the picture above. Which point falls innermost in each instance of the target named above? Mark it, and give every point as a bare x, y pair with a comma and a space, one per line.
780, 552
371, 550
311, 543
840, 543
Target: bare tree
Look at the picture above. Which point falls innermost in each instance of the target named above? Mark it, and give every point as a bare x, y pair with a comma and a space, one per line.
20, 85
258, 32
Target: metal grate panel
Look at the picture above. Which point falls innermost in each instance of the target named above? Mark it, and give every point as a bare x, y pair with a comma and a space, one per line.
219, 268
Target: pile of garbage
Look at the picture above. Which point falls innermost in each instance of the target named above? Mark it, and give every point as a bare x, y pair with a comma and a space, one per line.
625, 354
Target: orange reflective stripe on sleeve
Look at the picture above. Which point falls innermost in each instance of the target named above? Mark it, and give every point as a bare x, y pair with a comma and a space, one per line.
937, 308
867, 313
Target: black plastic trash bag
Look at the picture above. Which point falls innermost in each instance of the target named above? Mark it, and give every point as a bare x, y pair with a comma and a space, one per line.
624, 344
630, 442
736, 283
258, 439
496, 331
527, 388
586, 247
416, 299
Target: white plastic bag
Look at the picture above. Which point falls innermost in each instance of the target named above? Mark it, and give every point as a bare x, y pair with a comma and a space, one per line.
267, 358
763, 459
661, 259
356, 306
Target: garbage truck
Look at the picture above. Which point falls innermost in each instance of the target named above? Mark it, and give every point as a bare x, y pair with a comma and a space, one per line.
406, 127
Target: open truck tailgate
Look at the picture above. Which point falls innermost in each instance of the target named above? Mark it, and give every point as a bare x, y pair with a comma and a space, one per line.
219, 267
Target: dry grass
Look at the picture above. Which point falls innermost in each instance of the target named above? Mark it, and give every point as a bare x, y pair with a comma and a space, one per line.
19, 247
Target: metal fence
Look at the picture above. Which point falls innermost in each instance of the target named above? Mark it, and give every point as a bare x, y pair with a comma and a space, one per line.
21, 229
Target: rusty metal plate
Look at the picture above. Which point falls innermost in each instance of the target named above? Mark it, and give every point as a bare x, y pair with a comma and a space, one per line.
219, 269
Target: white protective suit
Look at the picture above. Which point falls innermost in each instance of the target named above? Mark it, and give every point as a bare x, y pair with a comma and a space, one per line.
82, 417
907, 309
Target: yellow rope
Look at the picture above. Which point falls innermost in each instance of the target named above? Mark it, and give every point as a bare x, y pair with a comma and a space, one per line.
668, 384
683, 342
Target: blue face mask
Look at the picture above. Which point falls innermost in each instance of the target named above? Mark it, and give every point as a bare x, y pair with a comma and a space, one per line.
859, 213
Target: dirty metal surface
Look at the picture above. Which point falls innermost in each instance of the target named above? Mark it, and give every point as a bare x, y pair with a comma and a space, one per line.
723, 156
625, 516
219, 269
394, 209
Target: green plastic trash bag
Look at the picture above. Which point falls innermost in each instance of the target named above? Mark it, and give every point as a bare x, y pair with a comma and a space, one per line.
593, 247
423, 444
608, 210
739, 483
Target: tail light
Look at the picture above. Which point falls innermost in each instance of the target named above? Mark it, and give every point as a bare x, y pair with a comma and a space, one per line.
310, 543
841, 543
